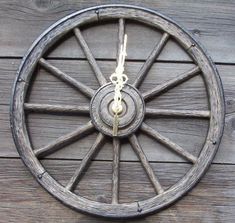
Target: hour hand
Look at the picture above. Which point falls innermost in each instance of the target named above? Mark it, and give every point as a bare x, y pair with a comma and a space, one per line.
115, 124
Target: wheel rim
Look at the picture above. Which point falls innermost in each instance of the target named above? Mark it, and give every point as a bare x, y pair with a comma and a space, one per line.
216, 103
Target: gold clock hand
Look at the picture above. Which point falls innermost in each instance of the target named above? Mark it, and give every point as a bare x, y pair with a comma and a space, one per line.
119, 79
122, 55
115, 124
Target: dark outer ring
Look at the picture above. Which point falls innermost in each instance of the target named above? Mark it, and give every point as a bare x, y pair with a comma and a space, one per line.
150, 17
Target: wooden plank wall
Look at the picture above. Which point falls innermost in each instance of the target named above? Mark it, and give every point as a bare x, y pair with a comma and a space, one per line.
23, 200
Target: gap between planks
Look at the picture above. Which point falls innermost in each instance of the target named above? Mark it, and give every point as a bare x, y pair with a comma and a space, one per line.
113, 60
121, 161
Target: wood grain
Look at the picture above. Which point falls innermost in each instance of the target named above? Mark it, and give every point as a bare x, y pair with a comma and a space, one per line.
211, 23
64, 140
66, 78
46, 85
61, 109
85, 162
150, 60
90, 57
214, 93
145, 163
151, 112
116, 170
168, 143
158, 90
26, 201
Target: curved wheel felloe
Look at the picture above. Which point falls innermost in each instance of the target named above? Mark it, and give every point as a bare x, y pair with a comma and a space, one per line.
101, 121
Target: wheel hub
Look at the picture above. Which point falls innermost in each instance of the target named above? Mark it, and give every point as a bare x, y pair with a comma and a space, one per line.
129, 119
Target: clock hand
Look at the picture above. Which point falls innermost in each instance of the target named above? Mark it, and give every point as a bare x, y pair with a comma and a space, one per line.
121, 60
119, 79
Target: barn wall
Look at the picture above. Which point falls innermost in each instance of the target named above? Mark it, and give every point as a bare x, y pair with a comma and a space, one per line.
23, 200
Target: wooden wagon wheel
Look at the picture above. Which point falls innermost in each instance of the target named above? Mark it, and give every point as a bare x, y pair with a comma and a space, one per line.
101, 119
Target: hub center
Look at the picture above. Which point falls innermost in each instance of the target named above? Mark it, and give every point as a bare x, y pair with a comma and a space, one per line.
117, 110
130, 117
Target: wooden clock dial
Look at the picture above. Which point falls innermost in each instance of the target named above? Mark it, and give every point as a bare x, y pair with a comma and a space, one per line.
132, 120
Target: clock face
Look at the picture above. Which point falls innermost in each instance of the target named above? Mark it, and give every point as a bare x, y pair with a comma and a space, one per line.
118, 109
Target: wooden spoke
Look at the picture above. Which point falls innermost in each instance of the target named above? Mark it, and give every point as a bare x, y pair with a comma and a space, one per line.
64, 140
152, 112
121, 33
168, 143
86, 160
116, 158
171, 83
140, 153
150, 60
87, 91
48, 108
100, 77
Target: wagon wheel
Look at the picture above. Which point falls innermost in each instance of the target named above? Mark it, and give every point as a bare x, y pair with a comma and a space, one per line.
131, 122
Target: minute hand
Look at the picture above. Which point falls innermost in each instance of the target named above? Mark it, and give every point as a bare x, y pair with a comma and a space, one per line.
121, 58
119, 79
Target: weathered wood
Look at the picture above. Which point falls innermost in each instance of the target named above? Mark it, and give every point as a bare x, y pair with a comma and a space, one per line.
85, 162
23, 199
189, 95
138, 48
164, 198
171, 83
211, 24
150, 60
47, 108
167, 142
198, 212
45, 85
90, 57
78, 85
146, 165
81, 131
46, 128
116, 167
154, 112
